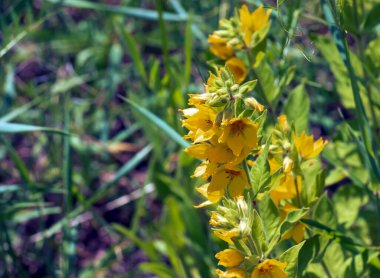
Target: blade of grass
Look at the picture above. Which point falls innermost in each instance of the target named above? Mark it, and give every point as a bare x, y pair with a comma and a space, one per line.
188, 47
17, 128
164, 38
130, 44
68, 238
21, 167
158, 122
5, 188
136, 12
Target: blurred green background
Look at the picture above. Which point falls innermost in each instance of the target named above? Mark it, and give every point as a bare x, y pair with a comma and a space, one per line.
93, 179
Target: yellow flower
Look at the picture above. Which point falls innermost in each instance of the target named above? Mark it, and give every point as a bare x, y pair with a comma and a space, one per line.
237, 68
200, 123
198, 99
227, 235
215, 153
284, 125
286, 189
231, 177
235, 272
274, 165
205, 170
230, 257
296, 232
306, 146
270, 269
239, 133
219, 47
203, 190
252, 22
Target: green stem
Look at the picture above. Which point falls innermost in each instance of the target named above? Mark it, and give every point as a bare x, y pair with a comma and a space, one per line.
299, 200
246, 170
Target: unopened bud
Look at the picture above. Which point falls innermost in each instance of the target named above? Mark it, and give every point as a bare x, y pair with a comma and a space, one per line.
234, 87
217, 101
234, 42
217, 220
287, 165
242, 204
252, 103
224, 74
222, 33
287, 146
219, 83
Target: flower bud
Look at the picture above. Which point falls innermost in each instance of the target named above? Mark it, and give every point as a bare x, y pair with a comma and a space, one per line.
252, 103
287, 146
288, 165
234, 87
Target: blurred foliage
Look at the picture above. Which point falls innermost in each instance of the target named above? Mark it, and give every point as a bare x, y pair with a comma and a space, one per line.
94, 185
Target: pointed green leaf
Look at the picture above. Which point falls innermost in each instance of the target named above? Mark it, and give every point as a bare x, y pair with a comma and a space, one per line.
291, 257
260, 172
297, 108
258, 234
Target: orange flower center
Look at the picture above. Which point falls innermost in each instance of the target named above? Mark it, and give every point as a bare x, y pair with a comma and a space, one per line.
266, 269
231, 173
237, 127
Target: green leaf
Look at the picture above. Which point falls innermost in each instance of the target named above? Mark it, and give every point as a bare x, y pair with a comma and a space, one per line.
270, 215
291, 218
260, 172
324, 212
297, 108
372, 19
308, 252
266, 78
258, 234
291, 257
352, 195
313, 182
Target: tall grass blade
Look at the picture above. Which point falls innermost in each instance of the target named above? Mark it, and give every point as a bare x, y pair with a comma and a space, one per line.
135, 12
159, 123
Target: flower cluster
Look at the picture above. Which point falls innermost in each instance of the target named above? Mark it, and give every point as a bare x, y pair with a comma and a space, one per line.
220, 137
248, 165
238, 34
